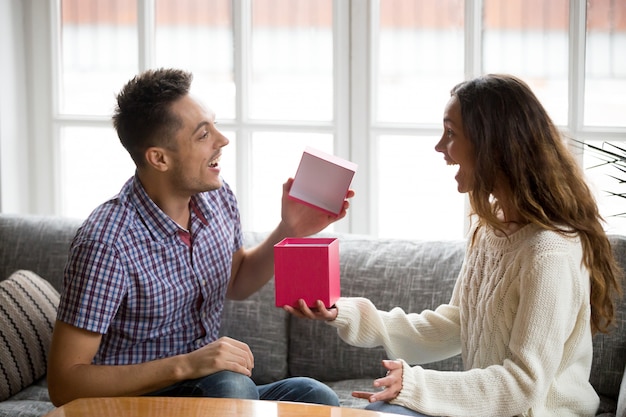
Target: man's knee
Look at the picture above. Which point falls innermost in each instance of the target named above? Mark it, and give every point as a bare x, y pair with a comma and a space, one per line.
317, 392
300, 389
228, 384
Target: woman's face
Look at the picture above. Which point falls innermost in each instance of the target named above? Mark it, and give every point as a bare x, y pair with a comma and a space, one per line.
455, 147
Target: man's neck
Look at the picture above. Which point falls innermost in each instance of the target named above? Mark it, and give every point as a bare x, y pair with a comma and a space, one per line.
176, 206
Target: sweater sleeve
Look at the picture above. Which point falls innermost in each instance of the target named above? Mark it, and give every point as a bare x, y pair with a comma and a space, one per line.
417, 338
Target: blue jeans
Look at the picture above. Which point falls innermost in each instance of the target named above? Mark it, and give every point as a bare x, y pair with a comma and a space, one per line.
226, 384
385, 407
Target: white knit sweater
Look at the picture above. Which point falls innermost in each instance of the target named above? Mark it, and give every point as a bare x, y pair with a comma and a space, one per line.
519, 315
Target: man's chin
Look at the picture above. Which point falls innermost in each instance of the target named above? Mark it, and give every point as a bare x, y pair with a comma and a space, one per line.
215, 185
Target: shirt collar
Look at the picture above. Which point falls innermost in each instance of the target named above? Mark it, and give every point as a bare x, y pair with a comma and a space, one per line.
158, 223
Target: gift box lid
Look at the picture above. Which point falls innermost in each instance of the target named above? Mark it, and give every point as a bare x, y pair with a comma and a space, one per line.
322, 180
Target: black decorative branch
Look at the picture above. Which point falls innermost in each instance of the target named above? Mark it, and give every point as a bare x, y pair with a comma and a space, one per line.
608, 154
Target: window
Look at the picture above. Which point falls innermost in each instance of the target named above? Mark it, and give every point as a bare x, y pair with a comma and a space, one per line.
603, 109
366, 80
266, 67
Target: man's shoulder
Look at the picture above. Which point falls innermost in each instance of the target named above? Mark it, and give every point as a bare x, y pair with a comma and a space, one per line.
108, 223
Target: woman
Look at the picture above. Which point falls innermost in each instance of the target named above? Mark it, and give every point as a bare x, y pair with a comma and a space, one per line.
537, 280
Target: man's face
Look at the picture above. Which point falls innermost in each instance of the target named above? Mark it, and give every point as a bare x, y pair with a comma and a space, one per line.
195, 161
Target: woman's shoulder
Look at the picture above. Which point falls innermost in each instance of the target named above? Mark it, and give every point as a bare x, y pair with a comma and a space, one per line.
530, 238
542, 242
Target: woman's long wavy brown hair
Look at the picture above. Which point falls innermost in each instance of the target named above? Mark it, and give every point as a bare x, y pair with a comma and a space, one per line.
515, 139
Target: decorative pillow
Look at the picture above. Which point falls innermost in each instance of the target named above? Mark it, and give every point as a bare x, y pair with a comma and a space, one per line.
28, 307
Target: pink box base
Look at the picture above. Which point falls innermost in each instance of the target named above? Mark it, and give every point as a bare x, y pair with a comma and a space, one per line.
306, 268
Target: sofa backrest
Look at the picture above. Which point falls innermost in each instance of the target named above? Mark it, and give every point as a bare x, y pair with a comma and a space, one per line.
36, 243
411, 274
264, 327
609, 350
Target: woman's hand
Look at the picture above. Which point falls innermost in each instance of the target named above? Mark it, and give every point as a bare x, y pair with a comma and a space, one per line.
319, 312
391, 384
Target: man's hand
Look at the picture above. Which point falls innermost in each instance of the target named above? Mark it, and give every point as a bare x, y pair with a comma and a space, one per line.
254, 267
225, 354
300, 220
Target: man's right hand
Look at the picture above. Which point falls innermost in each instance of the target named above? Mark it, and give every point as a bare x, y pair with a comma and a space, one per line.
225, 354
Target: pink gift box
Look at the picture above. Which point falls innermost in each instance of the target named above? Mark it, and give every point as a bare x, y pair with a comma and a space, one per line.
306, 268
322, 180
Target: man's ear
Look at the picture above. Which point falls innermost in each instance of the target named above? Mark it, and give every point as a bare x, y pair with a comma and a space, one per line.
157, 158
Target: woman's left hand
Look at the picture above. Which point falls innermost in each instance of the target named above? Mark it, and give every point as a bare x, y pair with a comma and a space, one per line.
391, 384
320, 312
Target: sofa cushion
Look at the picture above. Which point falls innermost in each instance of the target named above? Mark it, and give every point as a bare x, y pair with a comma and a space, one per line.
25, 408
27, 313
609, 350
257, 322
36, 243
263, 327
344, 389
33, 401
413, 275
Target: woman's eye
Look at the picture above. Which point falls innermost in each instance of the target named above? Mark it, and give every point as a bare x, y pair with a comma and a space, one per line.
449, 132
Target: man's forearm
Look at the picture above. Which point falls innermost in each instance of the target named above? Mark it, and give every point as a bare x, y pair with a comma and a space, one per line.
82, 381
72, 375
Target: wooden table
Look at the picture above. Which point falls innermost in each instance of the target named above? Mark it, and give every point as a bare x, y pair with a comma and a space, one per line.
200, 407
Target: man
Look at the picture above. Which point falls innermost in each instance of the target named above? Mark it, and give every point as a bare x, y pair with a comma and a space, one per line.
149, 270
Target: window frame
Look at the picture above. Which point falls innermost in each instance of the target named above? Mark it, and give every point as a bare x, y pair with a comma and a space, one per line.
355, 133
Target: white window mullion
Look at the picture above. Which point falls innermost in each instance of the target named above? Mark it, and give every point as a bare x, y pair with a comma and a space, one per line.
473, 38
576, 76
43, 136
242, 26
473, 58
146, 12
363, 210
341, 88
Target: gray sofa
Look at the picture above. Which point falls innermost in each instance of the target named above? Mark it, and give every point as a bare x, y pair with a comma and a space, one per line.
412, 274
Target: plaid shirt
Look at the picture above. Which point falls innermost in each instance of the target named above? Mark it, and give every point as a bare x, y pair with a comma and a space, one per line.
150, 288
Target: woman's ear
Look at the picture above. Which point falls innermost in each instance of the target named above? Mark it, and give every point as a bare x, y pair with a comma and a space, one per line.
156, 158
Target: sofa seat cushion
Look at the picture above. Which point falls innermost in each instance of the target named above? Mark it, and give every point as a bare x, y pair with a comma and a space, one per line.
25, 408
345, 388
33, 401
28, 307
